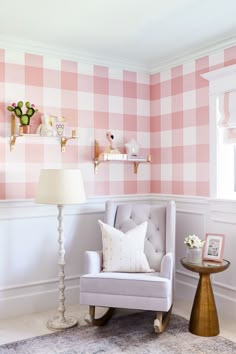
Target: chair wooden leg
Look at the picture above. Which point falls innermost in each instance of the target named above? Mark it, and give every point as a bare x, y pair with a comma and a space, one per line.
161, 321
91, 320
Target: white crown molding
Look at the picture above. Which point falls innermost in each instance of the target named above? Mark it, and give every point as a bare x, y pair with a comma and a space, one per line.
40, 48
206, 48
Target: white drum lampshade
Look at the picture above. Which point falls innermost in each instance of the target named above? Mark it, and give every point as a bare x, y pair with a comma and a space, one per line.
60, 187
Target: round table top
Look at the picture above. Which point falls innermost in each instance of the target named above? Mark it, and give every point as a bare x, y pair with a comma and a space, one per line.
206, 267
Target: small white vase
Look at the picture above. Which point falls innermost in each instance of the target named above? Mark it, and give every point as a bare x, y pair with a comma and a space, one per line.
132, 148
194, 255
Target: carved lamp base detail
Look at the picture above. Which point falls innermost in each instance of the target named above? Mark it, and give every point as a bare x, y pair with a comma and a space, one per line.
58, 324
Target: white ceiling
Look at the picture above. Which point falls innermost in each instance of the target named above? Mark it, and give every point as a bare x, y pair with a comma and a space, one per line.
148, 33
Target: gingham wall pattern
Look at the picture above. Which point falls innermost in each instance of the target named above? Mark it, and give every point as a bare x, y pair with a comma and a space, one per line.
167, 111
180, 126
93, 99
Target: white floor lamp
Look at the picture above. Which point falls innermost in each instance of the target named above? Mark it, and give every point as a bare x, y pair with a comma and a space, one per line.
60, 187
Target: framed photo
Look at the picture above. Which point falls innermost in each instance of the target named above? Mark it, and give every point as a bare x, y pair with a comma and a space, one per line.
213, 247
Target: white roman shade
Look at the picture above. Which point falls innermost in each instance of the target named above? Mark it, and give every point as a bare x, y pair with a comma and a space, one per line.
226, 113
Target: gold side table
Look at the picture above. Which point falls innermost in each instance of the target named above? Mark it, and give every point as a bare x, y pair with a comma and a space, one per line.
204, 318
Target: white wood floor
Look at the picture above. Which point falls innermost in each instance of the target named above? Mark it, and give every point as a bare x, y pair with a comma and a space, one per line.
18, 328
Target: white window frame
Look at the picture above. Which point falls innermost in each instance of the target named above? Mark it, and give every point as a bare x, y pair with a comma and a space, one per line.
220, 81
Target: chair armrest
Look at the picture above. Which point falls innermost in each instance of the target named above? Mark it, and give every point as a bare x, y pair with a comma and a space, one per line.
93, 262
167, 266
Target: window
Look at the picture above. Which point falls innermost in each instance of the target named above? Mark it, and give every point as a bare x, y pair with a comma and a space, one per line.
222, 87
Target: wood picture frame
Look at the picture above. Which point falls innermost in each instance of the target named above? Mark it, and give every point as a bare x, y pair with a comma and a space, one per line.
213, 247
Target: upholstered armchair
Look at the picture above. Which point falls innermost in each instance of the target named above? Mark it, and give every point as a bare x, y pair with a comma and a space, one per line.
149, 290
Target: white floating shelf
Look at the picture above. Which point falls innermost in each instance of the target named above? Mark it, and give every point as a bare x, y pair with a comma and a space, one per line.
115, 157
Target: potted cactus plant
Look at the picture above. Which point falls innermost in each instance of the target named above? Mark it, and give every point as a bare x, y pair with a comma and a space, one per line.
23, 117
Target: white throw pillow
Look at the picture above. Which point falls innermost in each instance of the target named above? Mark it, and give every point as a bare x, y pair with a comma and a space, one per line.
124, 252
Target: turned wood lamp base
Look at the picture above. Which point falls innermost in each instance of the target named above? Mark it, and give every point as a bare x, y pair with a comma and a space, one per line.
56, 323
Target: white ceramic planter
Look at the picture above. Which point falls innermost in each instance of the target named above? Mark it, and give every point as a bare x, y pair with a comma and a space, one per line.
194, 255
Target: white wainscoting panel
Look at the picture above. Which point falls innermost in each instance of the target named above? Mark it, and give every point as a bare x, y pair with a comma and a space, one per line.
28, 249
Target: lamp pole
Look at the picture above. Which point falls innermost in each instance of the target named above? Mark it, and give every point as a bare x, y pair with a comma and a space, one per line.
61, 264
60, 321
60, 187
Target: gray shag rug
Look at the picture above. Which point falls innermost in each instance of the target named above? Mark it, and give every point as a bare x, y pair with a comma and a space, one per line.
125, 334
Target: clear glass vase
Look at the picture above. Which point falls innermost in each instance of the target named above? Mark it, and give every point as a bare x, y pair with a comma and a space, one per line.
194, 255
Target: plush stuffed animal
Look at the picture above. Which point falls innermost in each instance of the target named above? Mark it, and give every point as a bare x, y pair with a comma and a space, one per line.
46, 128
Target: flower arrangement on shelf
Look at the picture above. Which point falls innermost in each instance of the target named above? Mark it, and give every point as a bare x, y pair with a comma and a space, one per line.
24, 117
193, 241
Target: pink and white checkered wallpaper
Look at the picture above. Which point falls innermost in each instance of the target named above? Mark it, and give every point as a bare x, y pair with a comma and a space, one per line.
167, 113
180, 126
93, 99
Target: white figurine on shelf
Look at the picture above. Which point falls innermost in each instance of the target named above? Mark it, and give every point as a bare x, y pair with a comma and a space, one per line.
132, 148
46, 128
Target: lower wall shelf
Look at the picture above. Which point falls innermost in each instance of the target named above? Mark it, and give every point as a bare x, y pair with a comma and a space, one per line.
116, 157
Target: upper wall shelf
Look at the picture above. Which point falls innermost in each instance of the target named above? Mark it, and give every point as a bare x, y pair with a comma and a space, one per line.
115, 157
63, 140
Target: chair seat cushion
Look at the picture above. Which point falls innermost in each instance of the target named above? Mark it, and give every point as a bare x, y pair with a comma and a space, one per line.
127, 284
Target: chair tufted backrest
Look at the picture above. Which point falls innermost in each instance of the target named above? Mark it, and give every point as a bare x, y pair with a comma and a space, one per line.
127, 216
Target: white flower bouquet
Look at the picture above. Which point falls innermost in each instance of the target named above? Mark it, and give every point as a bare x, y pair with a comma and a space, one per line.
193, 241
